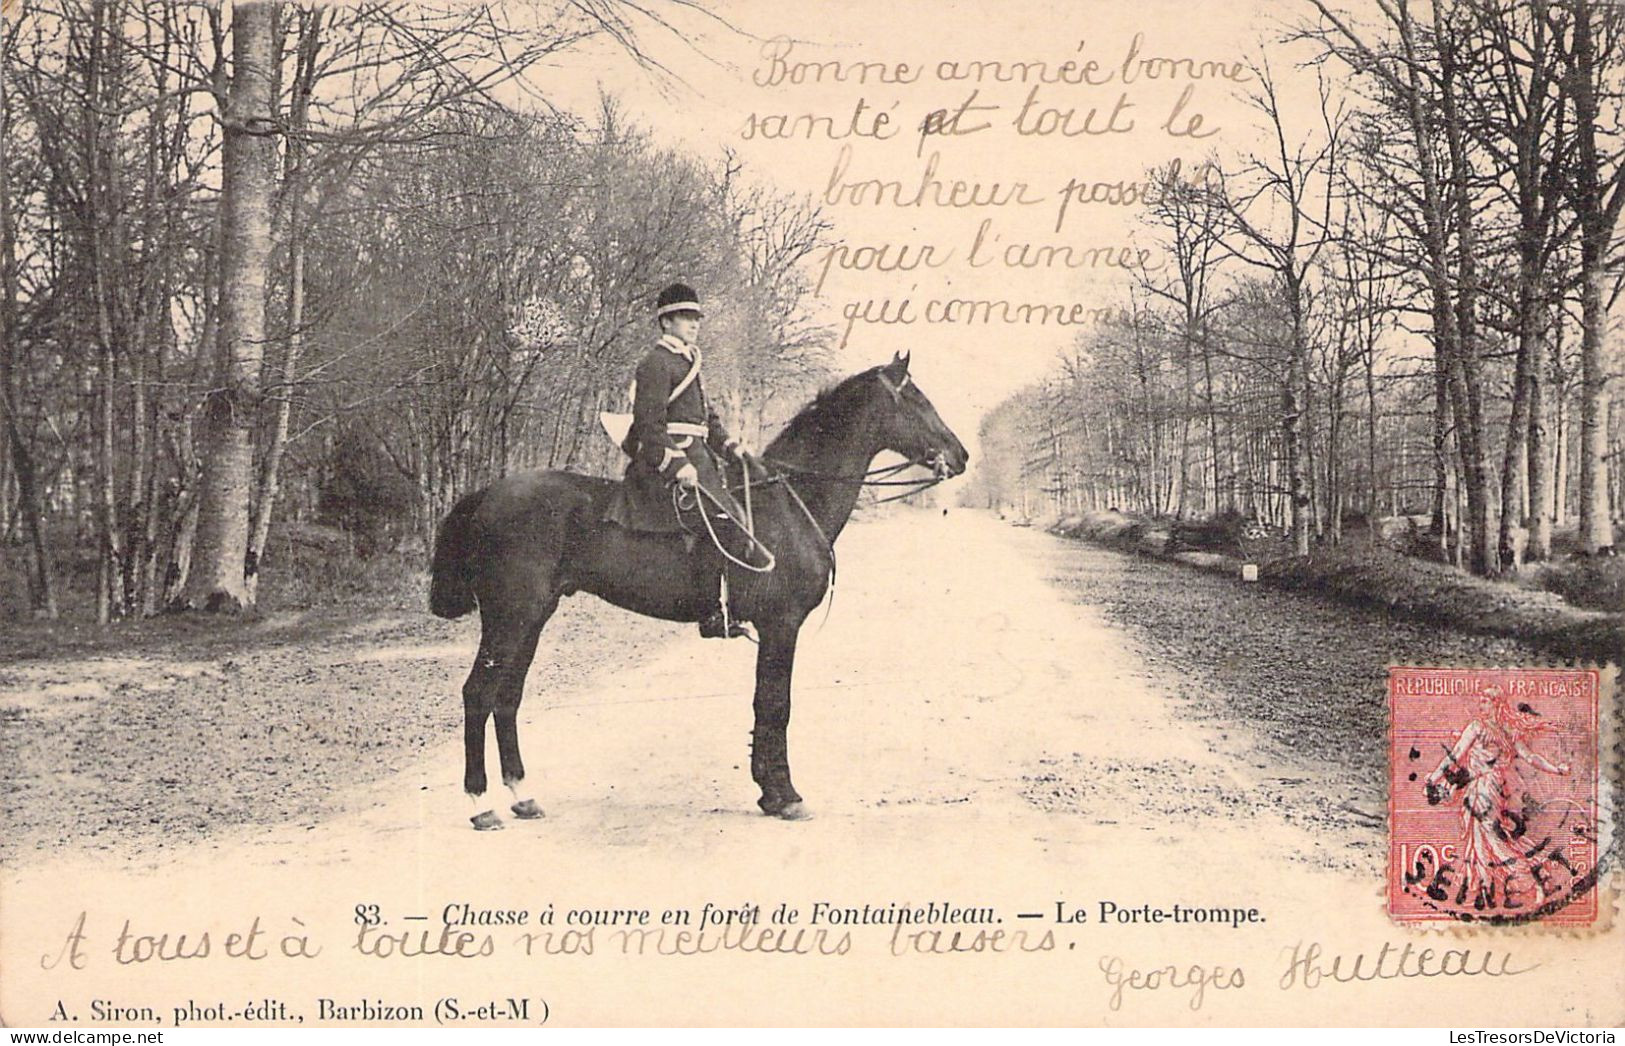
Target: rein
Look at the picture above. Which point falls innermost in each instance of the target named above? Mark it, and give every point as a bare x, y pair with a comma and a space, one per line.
881, 476
749, 528
874, 477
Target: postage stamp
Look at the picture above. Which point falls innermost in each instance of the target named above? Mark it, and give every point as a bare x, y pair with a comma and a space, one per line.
1493, 795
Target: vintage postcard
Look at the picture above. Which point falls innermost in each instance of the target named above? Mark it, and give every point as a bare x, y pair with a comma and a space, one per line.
734, 513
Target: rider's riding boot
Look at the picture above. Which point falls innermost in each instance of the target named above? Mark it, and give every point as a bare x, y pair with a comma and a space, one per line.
716, 624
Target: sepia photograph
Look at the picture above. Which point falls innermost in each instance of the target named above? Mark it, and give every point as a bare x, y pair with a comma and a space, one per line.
723, 513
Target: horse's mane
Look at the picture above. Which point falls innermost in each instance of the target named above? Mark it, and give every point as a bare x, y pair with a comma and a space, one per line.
829, 410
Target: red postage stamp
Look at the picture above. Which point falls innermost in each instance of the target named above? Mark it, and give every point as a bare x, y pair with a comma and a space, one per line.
1492, 795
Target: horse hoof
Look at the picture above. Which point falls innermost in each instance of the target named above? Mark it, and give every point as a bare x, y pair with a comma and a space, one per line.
796, 811
486, 821
527, 810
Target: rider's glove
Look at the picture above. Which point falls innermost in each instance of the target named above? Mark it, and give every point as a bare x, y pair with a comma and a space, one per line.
688, 475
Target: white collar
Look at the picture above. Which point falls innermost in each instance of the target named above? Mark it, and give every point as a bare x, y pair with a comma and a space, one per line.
675, 344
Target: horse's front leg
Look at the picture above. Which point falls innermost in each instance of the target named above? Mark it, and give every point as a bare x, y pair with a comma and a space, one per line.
769, 753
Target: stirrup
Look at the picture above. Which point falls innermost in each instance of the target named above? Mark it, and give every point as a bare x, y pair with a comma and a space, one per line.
720, 622
716, 625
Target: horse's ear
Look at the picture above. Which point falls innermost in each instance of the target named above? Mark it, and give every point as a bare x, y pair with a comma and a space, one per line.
899, 363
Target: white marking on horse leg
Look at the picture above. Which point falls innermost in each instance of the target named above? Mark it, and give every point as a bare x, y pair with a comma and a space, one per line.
524, 807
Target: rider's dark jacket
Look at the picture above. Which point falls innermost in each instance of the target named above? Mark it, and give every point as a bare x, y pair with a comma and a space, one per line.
672, 423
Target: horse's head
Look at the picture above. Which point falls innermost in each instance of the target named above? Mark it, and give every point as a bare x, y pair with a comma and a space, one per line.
911, 426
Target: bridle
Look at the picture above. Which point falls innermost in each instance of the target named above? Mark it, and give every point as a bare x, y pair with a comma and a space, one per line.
936, 461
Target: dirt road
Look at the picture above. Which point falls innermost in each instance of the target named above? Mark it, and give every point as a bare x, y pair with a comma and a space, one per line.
976, 725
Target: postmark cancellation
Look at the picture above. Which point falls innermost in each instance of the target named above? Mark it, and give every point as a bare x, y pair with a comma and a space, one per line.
1499, 807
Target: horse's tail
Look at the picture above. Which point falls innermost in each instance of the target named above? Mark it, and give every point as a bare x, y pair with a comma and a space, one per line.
450, 592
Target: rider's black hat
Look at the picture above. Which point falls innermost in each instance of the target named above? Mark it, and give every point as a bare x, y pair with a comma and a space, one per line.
679, 297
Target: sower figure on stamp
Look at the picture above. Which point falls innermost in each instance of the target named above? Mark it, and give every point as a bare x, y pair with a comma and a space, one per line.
1483, 763
675, 440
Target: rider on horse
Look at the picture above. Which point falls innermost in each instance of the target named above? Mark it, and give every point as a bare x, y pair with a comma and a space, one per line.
675, 439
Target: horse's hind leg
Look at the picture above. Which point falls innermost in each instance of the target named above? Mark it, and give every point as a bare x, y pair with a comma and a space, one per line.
476, 708
494, 686
506, 716
474, 717
513, 767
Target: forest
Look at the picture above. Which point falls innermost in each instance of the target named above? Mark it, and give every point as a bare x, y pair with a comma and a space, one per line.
325, 269
317, 271
1398, 306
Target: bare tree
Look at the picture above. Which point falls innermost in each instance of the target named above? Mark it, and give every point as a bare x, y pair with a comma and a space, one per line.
1276, 220
41, 572
295, 187
1188, 218
1591, 62
1419, 76
218, 578
1366, 287
1516, 106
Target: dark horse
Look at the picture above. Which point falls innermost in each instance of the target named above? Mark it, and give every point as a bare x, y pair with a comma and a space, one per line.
516, 547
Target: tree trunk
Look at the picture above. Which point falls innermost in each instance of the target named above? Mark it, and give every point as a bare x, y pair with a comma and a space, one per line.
1311, 465
135, 534
110, 571
1562, 430
1596, 220
1442, 493
1232, 460
147, 580
1334, 471
265, 501
1539, 520
1466, 380
1514, 463
1183, 504
217, 580
182, 519
102, 238
8, 503
1478, 526
1596, 522
31, 502
1292, 409
182, 540
1211, 501
1372, 507
1400, 475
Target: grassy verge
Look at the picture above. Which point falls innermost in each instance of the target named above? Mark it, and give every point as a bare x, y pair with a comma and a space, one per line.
311, 585
1361, 575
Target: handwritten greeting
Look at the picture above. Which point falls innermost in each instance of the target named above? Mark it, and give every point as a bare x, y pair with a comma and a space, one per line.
962, 150
540, 937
